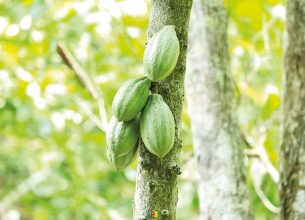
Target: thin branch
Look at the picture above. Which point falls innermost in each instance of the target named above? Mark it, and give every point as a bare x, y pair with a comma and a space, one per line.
244, 139
90, 114
262, 155
260, 193
85, 80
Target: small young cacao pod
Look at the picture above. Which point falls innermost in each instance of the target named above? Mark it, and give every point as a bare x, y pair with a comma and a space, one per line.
123, 136
121, 162
131, 98
161, 54
157, 126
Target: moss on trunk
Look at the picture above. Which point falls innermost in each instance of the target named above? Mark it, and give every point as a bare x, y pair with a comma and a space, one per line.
156, 187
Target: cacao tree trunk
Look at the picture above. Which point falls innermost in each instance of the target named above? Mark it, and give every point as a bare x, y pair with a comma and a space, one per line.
292, 160
211, 105
156, 185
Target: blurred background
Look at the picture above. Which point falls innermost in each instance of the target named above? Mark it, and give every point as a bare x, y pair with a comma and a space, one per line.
53, 163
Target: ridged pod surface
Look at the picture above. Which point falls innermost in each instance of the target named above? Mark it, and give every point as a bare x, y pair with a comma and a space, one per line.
131, 98
157, 126
121, 162
122, 137
161, 54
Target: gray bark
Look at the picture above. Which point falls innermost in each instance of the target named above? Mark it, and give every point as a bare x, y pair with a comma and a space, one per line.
292, 163
211, 104
156, 187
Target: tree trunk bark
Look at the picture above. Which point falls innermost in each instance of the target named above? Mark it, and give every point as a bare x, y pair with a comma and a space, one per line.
211, 104
156, 186
292, 163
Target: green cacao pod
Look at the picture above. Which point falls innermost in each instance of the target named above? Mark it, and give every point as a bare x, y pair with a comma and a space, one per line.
157, 126
161, 54
122, 137
131, 98
121, 162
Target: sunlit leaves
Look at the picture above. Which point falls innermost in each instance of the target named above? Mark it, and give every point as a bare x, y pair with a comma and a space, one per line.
256, 35
42, 115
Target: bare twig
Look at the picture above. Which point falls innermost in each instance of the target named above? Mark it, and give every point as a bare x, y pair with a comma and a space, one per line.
85, 80
90, 114
260, 193
262, 155
259, 152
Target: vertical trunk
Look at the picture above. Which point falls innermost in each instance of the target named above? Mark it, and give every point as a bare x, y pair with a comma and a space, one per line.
292, 167
156, 187
211, 105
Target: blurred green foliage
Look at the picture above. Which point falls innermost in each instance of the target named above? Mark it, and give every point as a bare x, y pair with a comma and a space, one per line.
53, 163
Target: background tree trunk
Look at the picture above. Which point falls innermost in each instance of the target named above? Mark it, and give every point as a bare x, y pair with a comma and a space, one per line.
211, 105
156, 187
292, 167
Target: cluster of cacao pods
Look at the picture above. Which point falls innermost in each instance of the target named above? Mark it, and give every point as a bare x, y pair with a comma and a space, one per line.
139, 112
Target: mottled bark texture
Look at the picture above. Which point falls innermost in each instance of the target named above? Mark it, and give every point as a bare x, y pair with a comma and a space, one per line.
156, 187
211, 104
292, 165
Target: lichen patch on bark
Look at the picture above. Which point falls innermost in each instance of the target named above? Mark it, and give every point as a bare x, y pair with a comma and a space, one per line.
211, 105
292, 154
